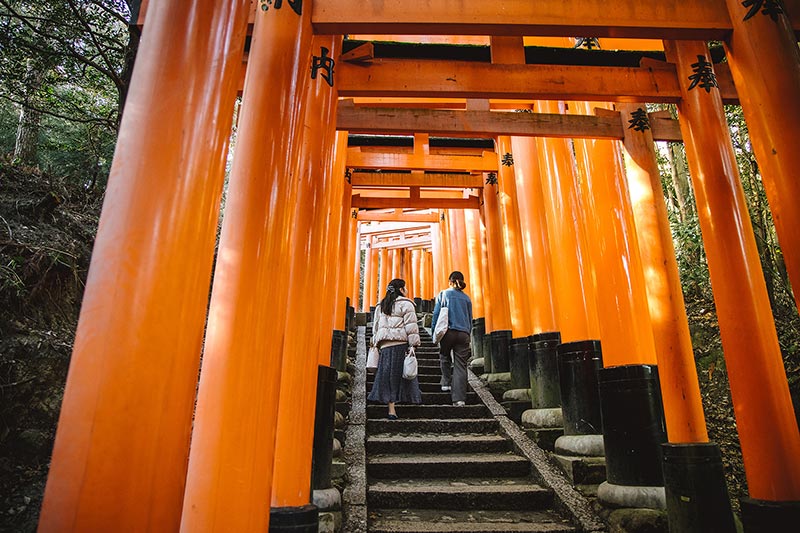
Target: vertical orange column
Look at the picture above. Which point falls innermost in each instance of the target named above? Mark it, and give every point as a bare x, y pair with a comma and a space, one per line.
765, 63
390, 262
356, 276
498, 286
423, 274
621, 293
369, 267
238, 393
487, 284
401, 259
396, 259
291, 485
576, 312
765, 418
474, 258
407, 271
415, 272
373, 277
386, 270
342, 268
447, 246
461, 257
683, 408
339, 250
518, 294
436, 256
533, 227
428, 274
120, 455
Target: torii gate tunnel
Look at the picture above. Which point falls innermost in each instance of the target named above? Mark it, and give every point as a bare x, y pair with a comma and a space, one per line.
416, 158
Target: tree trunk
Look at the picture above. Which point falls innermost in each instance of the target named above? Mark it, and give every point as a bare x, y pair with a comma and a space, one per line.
26, 148
680, 181
27, 142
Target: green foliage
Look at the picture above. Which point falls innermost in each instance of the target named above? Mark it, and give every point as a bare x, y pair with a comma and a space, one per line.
74, 52
67, 65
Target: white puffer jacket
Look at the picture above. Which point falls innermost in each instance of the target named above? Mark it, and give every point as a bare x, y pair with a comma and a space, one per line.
399, 327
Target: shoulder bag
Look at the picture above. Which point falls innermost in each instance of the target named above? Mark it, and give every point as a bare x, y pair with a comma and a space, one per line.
442, 323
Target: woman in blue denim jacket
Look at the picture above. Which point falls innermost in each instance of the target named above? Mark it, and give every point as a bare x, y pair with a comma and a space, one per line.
456, 340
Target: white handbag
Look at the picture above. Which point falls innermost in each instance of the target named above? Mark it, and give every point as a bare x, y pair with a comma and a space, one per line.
372, 357
441, 325
410, 365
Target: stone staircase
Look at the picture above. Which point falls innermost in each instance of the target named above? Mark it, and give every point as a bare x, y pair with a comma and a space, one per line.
447, 468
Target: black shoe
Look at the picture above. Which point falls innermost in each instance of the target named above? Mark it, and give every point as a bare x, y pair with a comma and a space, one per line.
392, 417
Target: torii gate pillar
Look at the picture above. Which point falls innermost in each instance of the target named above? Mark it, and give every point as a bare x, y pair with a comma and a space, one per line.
767, 427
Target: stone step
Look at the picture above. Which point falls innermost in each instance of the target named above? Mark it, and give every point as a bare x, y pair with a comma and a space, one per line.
437, 443
445, 398
447, 465
467, 494
442, 398
422, 378
478, 425
582, 470
425, 368
473, 521
430, 411
430, 387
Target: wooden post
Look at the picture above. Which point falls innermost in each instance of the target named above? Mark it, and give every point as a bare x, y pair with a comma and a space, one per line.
430, 290
385, 270
407, 272
576, 312
484, 264
459, 231
339, 250
123, 435
415, 272
765, 64
474, 258
533, 226
423, 274
239, 361
765, 417
396, 264
374, 289
369, 268
447, 245
683, 408
516, 277
498, 285
621, 294
436, 253
301, 338
357, 276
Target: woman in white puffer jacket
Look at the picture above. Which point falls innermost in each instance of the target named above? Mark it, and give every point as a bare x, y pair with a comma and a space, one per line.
394, 332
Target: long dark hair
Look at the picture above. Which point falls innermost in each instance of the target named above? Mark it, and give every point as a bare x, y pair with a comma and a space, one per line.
457, 279
392, 293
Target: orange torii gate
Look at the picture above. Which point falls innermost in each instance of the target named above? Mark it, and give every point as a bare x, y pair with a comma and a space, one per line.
120, 456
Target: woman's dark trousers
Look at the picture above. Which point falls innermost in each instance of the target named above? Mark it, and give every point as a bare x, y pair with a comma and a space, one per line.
454, 369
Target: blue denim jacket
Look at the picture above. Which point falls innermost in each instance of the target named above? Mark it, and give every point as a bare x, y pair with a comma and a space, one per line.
459, 310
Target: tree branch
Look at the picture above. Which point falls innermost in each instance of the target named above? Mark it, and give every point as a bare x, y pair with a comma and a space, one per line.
119, 16
68, 50
88, 120
93, 37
